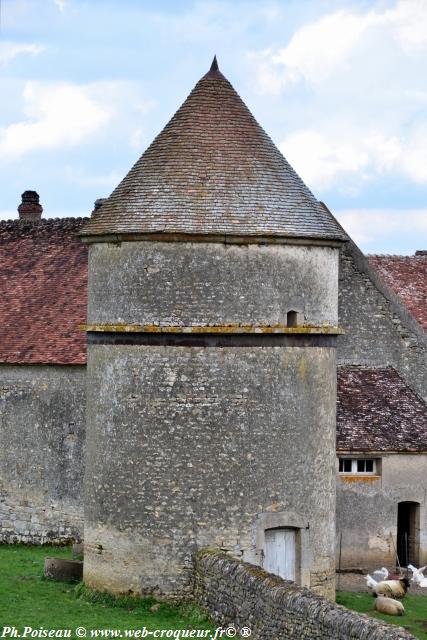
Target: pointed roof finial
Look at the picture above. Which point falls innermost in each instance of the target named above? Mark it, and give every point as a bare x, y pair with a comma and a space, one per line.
214, 65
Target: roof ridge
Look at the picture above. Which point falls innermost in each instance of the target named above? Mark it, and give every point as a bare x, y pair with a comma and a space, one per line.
412, 256
43, 220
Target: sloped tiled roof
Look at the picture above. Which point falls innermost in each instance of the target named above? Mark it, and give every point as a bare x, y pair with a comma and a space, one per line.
213, 171
407, 277
376, 411
43, 292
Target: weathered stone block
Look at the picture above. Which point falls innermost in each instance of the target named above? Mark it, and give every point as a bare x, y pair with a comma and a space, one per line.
63, 570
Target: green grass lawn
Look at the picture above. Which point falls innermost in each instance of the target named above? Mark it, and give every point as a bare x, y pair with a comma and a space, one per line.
414, 620
27, 599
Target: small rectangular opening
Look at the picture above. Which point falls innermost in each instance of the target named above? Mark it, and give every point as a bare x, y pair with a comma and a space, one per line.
292, 319
362, 466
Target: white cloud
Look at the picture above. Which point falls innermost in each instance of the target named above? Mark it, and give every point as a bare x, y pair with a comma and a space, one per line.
57, 115
318, 161
317, 49
414, 158
137, 138
348, 160
368, 227
323, 159
358, 80
321, 49
61, 4
10, 50
408, 20
82, 178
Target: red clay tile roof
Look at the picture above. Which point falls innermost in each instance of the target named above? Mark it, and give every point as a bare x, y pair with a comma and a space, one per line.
376, 411
43, 292
407, 277
214, 171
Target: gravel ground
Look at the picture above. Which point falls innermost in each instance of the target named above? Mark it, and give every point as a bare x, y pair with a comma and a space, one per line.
357, 582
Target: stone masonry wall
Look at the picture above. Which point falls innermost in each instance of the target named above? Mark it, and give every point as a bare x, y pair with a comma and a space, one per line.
379, 331
234, 592
42, 427
195, 447
367, 511
192, 283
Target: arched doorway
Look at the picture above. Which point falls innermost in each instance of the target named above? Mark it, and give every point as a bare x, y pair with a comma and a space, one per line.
408, 526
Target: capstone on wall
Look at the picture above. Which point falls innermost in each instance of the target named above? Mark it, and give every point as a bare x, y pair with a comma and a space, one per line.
367, 511
207, 445
379, 331
240, 594
42, 425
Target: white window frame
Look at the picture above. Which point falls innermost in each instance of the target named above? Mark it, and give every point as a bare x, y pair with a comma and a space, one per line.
354, 470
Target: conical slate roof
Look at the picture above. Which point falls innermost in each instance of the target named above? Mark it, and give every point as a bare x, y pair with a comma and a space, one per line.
213, 171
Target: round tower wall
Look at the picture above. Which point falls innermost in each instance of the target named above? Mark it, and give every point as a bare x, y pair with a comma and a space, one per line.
186, 284
208, 444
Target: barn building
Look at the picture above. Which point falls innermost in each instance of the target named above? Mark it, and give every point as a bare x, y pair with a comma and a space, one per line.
381, 514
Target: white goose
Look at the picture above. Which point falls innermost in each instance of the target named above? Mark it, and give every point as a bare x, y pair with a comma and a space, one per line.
380, 574
418, 575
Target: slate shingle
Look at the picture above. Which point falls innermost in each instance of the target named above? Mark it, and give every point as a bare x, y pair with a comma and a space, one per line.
213, 170
377, 411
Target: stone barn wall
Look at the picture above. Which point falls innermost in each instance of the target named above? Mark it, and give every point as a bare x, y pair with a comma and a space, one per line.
243, 595
379, 331
367, 511
42, 426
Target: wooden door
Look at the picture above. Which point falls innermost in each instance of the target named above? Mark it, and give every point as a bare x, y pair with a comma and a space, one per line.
280, 552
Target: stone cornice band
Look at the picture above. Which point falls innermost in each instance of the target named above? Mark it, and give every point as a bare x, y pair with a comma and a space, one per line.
212, 329
217, 336
117, 238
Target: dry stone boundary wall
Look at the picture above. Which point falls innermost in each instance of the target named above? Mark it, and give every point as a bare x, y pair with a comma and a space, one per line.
242, 594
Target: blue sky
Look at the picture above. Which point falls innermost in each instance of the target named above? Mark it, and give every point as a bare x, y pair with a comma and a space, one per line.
341, 87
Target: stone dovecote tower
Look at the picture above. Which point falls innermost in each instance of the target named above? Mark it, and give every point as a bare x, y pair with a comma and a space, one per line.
213, 287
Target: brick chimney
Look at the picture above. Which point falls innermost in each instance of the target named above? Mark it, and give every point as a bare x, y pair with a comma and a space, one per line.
30, 209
